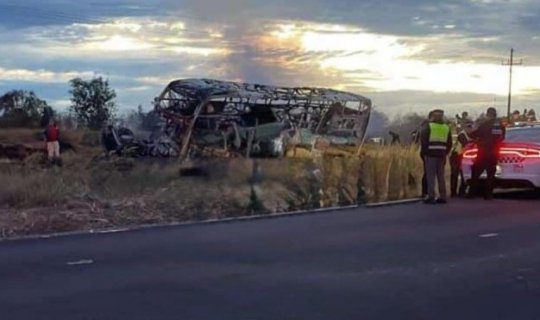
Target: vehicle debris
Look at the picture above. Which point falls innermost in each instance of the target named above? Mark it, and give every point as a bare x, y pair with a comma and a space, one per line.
124, 142
211, 118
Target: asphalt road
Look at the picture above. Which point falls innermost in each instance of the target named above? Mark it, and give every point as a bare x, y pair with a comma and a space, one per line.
466, 260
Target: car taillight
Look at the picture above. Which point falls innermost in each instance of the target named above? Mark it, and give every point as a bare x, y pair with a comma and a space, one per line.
520, 152
470, 153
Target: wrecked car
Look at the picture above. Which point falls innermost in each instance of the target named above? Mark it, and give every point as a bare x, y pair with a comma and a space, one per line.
123, 142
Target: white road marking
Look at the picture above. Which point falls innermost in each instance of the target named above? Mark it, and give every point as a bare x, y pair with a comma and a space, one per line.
80, 262
113, 230
489, 235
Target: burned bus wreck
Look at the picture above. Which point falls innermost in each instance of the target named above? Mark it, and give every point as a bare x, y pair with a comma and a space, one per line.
211, 117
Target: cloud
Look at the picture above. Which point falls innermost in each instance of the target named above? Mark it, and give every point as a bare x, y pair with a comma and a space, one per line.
61, 105
407, 101
134, 89
125, 38
154, 80
376, 48
30, 13
402, 102
44, 76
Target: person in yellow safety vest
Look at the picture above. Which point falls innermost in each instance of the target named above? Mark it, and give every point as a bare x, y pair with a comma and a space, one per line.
458, 185
417, 139
436, 139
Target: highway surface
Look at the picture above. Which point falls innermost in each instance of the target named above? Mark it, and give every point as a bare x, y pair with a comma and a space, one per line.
466, 260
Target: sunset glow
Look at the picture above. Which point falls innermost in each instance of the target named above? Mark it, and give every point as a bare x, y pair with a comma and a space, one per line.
428, 56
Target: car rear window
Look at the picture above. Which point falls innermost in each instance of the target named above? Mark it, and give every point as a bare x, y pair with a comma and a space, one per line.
524, 135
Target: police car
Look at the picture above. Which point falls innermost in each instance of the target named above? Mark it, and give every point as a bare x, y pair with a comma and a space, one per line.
519, 163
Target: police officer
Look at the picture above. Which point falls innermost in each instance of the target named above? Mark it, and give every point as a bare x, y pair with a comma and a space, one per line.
417, 135
457, 180
436, 145
488, 136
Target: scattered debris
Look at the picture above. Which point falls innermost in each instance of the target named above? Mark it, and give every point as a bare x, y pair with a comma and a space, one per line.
123, 142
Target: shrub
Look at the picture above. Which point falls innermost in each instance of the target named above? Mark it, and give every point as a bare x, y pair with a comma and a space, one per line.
91, 138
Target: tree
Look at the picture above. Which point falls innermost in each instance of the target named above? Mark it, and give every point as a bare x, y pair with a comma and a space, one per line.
20, 108
47, 116
92, 101
67, 121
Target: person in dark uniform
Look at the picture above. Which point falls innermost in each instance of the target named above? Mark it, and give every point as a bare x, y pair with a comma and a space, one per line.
395, 137
488, 136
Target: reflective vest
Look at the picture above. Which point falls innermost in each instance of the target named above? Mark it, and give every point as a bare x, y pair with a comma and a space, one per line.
438, 136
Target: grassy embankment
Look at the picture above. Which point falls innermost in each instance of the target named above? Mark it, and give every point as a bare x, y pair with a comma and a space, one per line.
86, 194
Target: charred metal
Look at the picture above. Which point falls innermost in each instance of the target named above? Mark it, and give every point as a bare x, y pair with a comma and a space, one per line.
217, 118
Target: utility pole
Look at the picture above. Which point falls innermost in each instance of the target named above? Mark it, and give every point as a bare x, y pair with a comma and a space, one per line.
511, 63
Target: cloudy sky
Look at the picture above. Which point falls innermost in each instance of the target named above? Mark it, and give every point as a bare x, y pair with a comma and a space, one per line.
407, 55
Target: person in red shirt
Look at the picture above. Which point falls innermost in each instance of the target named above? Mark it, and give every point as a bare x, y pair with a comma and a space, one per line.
51, 134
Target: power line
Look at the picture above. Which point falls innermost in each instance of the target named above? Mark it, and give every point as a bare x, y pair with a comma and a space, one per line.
511, 63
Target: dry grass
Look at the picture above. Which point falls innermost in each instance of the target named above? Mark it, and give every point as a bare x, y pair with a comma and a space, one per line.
19, 135
380, 173
85, 195
391, 172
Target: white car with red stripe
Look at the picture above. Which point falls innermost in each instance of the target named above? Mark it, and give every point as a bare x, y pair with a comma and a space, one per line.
519, 163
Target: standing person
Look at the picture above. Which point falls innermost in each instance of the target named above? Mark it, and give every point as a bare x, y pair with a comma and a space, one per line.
423, 151
395, 137
51, 135
524, 115
417, 133
436, 143
457, 181
515, 116
463, 119
531, 116
488, 136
